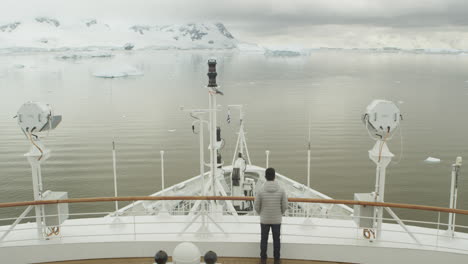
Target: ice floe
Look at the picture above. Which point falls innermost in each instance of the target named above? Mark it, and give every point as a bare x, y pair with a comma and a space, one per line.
283, 53
117, 71
432, 160
84, 55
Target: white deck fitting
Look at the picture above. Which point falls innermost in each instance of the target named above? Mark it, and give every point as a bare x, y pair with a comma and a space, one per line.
315, 239
192, 186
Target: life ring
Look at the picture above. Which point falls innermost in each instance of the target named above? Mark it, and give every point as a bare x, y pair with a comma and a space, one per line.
367, 233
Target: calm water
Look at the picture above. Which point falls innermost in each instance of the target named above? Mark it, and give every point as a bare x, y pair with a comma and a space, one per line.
279, 94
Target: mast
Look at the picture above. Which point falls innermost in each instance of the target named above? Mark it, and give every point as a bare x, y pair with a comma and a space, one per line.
214, 146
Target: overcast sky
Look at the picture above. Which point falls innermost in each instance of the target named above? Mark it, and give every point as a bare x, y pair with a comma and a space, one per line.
282, 22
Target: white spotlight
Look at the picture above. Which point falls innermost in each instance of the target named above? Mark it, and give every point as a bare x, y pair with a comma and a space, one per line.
37, 117
382, 118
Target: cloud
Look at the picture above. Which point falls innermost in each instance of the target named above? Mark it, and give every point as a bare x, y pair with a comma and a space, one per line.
263, 12
265, 20
363, 36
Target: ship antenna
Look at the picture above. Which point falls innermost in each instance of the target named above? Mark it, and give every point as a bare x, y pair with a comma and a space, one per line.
216, 144
213, 91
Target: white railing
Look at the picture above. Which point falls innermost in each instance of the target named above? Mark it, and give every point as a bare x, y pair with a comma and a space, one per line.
429, 234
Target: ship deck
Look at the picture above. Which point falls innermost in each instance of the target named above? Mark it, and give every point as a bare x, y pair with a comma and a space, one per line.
221, 260
139, 237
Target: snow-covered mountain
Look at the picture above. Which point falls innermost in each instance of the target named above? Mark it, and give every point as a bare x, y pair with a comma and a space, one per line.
47, 33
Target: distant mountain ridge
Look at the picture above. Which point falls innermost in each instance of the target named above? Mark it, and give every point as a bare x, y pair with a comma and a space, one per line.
48, 33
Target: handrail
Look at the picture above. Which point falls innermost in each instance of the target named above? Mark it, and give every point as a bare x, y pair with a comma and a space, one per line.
233, 198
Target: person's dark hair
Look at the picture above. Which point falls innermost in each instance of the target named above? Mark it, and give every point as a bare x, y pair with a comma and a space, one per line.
270, 174
161, 257
210, 257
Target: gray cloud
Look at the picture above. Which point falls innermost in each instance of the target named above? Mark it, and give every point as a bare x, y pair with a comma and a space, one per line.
256, 19
275, 12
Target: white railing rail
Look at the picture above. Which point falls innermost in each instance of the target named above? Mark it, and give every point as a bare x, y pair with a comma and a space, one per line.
419, 237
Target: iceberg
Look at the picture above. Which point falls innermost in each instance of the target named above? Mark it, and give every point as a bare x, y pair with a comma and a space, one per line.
290, 51
250, 47
84, 55
282, 53
391, 49
443, 51
117, 71
432, 160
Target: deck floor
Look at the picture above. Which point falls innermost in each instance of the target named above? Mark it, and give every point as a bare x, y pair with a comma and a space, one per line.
227, 260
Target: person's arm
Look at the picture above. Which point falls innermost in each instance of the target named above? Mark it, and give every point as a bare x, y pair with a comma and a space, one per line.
258, 203
284, 202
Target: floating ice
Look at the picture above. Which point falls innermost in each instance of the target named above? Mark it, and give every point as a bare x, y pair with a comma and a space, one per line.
432, 160
116, 71
443, 51
288, 51
250, 47
172, 130
401, 102
84, 55
283, 53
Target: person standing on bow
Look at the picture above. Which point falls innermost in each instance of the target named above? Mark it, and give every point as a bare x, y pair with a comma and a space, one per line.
271, 202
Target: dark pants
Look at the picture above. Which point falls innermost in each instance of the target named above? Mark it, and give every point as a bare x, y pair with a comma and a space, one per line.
275, 229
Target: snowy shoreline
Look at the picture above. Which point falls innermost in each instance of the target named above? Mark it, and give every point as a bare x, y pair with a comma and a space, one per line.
45, 34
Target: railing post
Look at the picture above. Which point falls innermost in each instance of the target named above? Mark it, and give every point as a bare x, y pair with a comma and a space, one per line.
114, 167
134, 224
453, 195
162, 169
438, 224
60, 222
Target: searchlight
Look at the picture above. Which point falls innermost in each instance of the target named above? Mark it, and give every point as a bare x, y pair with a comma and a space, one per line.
34, 118
381, 118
